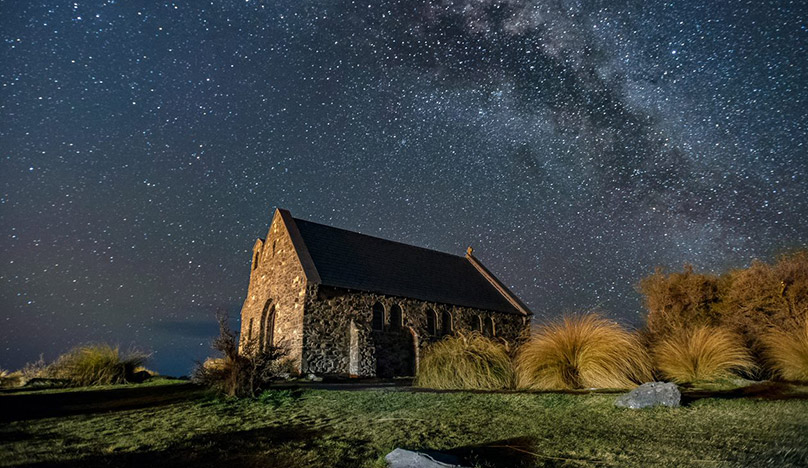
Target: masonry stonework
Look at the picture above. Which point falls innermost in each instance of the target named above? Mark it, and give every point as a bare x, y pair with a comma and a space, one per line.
273, 311
333, 330
330, 311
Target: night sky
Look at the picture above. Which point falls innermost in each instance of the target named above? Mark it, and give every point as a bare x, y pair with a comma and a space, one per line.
574, 145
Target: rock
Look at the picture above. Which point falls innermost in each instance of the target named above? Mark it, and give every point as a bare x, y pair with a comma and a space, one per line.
401, 458
651, 394
314, 378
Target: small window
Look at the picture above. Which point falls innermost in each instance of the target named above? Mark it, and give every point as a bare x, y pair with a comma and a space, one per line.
249, 330
255, 259
490, 329
273, 248
377, 322
446, 323
431, 322
396, 317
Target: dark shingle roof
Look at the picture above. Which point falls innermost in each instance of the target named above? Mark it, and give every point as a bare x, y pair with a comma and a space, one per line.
356, 261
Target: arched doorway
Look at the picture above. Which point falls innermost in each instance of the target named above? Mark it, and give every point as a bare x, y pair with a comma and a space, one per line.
394, 348
446, 323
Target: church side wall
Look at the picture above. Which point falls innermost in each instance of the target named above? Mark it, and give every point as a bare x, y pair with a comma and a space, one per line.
327, 328
277, 280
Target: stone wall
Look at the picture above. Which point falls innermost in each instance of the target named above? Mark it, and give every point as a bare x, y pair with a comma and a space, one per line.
276, 280
327, 338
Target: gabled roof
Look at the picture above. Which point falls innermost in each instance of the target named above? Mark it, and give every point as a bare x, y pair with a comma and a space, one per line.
346, 259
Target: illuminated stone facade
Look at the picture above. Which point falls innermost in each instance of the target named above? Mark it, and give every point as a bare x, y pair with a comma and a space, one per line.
337, 330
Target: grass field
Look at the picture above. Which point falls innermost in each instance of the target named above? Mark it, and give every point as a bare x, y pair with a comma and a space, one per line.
175, 424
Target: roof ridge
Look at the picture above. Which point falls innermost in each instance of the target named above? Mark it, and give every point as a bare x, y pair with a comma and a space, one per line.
381, 238
354, 260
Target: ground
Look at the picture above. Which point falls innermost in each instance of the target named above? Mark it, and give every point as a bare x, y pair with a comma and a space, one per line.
179, 424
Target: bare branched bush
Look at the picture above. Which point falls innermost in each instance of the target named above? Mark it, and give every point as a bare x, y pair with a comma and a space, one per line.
237, 373
465, 361
765, 296
584, 351
700, 353
34, 370
678, 300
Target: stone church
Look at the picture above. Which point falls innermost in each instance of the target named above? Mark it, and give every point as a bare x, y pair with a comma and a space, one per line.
345, 303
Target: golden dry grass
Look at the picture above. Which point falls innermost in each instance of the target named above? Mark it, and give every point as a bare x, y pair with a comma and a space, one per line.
584, 351
465, 361
700, 353
786, 354
96, 364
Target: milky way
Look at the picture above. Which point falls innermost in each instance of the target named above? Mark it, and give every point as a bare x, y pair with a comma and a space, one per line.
575, 145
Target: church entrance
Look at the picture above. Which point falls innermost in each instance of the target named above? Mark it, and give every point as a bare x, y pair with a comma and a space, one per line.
395, 352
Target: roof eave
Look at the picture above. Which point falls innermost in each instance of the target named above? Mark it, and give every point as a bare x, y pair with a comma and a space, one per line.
501, 288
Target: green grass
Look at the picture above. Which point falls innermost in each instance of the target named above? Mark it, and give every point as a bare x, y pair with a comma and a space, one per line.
303, 428
156, 381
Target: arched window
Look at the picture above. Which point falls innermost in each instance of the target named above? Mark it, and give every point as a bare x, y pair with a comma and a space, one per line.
255, 259
431, 322
270, 334
377, 322
446, 323
396, 317
490, 329
262, 325
249, 330
477, 324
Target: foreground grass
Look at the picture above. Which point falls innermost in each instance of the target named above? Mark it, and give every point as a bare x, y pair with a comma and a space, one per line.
157, 381
303, 428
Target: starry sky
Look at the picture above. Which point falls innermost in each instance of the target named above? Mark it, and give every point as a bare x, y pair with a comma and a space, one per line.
575, 145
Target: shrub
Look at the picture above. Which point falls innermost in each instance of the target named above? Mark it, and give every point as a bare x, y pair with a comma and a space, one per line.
239, 373
765, 296
749, 301
96, 364
786, 353
465, 361
699, 354
10, 379
678, 300
582, 352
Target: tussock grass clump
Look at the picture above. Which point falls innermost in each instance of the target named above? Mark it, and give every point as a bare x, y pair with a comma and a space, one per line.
465, 362
700, 354
10, 379
584, 351
97, 364
786, 354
